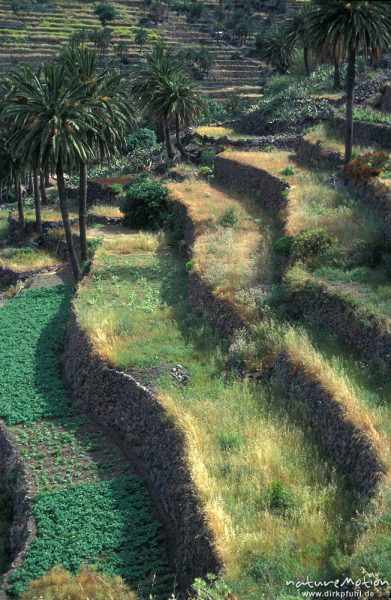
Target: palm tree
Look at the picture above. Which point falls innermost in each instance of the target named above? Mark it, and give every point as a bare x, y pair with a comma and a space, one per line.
177, 98
275, 48
10, 173
296, 27
346, 27
155, 67
109, 117
50, 117
141, 37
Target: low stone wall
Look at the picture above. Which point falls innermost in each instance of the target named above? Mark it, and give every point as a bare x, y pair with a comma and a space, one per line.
283, 141
11, 277
265, 186
16, 480
350, 448
314, 154
366, 133
366, 334
97, 193
153, 442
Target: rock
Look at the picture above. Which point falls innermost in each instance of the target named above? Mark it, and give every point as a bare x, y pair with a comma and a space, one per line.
385, 104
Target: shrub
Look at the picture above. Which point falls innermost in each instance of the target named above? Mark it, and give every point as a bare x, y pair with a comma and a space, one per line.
289, 170
208, 157
228, 218
211, 588
313, 247
117, 188
214, 112
280, 499
105, 12
59, 584
283, 245
371, 164
205, 173
230, 442
145, 205
143, 138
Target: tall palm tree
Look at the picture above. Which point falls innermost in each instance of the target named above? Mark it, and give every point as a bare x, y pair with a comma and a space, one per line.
109, 118
50, 116
155, 67
296, 27
275, 48
178, 98
348, 27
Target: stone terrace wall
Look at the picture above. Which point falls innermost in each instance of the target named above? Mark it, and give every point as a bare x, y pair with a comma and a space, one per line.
97, 193
252, 179
349, 447
153, 442
17, 482
366, 133
313, 154
368, 335
11, 277
377, 197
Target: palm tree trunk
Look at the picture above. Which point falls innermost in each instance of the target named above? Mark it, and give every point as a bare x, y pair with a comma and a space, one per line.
37, 202
83, 211
178, 139
42, 188
350, 80
29, 184
306, 63
170, 151
65, 219
19, 201
337, 76
47, 178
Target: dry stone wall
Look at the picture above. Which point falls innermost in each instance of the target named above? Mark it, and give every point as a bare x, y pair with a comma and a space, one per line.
366, 133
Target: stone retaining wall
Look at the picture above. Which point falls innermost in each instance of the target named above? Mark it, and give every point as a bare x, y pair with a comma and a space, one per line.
365, 133
282, 141
11, 277
367, 334
350, 448
377, 198
265, 186
97, 193
154, 443
17, 482
313, 154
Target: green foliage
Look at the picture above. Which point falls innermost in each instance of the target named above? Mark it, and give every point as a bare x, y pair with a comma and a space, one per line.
205, 173
371, 116
280, 499
230, 442
143, 138
117, 188
32, 330
313, 247
105, 12
145, 205
229, 218
108, 524
213, 113
208, 157
283, 245
289, 170
211, 588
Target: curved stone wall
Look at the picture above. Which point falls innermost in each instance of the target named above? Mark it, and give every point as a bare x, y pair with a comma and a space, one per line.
313, 154
17, 481
155, 446
365, 133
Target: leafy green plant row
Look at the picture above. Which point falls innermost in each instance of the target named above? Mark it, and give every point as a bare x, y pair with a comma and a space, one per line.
32, 330
109, 524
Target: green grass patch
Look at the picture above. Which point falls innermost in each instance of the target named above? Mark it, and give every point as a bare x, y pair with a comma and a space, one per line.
32, 331
108, 524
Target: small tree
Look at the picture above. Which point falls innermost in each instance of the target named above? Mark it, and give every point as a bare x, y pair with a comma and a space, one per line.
105, 12
275, 49
297, 31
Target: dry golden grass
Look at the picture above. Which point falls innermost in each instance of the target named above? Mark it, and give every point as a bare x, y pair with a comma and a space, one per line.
227, 258
223, 132
119, 241
329, 141
106, 210
59, 584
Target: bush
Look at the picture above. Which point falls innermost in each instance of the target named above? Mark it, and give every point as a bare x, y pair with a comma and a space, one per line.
289, 170
105, 12
208, 157
145, 205
205, 173
213, 113
211, 588
59, 584
369, 165
313, 247
280, 499
229, 218
143, 138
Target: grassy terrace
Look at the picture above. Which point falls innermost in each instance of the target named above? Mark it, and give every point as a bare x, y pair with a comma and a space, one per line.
330, 140
275, 504
23, 259
89, 507
231, 254
223, 132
